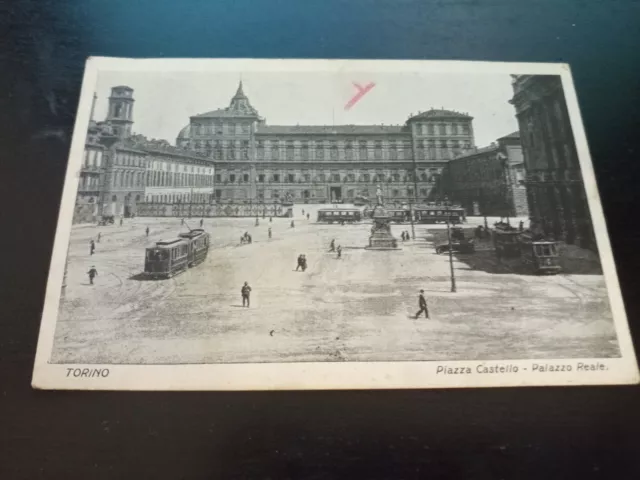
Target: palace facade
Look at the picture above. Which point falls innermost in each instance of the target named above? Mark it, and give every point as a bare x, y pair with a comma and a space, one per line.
555, 189
257, 162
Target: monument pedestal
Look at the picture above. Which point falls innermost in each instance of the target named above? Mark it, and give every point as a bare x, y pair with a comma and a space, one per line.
381, 237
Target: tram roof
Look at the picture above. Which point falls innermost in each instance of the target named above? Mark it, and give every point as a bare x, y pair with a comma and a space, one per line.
339, 210
168, 243
192, 234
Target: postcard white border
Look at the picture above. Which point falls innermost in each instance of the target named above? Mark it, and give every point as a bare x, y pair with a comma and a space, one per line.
323, 375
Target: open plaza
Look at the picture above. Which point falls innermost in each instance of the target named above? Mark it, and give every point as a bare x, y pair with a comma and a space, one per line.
360, 307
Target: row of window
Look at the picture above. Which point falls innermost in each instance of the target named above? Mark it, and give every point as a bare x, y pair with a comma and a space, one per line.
443, 128
130, 159
179, 198
169, 167
170, 179
333, 154
220, 128
89, 182
330, 144
351, 193
335, 177
92, 158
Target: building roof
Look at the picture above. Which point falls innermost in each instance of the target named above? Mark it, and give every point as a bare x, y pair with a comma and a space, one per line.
514, 136
330, 129
439, 113
238, 108
185, 132
477, 151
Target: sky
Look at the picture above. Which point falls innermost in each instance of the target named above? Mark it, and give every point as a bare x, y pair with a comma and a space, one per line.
164, 101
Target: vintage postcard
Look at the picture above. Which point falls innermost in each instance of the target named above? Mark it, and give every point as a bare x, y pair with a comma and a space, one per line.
330, 224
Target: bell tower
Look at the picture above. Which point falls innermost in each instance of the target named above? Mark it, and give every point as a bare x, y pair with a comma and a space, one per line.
120, 115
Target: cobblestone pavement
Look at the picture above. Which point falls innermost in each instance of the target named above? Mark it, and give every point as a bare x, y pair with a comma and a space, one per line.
358, 308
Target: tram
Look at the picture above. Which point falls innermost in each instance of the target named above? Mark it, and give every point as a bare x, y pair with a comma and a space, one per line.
170, 257
539, 253
339, 215
439, 214
506, 240
399, 215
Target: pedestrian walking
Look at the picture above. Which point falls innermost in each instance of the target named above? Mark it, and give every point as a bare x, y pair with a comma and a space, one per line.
201, 222
307, 216
422, 303
269, 232
339, 252
147, 231
304, 262
257, 222
92, 247
293, 225
99, 237
92, 273
303, 212
121, 220
332, 246
246, 294
182, 221
270, 219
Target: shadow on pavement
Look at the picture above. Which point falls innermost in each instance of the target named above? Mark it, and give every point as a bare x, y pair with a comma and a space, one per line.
574, 261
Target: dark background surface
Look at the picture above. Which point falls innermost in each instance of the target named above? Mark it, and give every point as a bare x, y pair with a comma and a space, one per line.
551, 433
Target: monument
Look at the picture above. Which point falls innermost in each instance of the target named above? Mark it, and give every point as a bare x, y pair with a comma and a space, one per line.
381, 237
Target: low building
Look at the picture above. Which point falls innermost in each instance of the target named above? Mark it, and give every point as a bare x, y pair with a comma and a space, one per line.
489, 181
555, 189
122, 172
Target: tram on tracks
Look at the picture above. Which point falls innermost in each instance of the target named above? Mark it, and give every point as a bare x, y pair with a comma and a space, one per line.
506, 240
399, 215
171, 257
439, 214
539, 253
339, 215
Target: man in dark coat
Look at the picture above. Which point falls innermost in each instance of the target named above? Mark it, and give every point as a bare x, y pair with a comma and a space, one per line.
422, 303
92, 247
92, 273
339, 251
246, 293
147, 231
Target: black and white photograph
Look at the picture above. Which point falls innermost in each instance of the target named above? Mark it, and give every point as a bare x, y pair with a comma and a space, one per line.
316, 224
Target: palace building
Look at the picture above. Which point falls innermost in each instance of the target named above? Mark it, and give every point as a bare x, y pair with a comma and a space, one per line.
555, 188
257, 162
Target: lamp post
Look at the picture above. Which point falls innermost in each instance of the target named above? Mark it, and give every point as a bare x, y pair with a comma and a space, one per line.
413, 229
453, 277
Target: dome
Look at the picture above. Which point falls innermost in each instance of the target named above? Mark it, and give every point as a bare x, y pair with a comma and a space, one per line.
185, 132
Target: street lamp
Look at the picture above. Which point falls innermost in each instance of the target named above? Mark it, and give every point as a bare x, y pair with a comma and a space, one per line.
453, 277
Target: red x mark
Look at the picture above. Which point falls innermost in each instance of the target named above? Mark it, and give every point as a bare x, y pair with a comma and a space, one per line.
361, 93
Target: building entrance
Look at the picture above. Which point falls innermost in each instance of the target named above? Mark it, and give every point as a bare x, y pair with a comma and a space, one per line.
336, 194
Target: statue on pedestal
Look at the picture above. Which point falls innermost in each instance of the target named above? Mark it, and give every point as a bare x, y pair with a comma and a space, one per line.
379, 195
